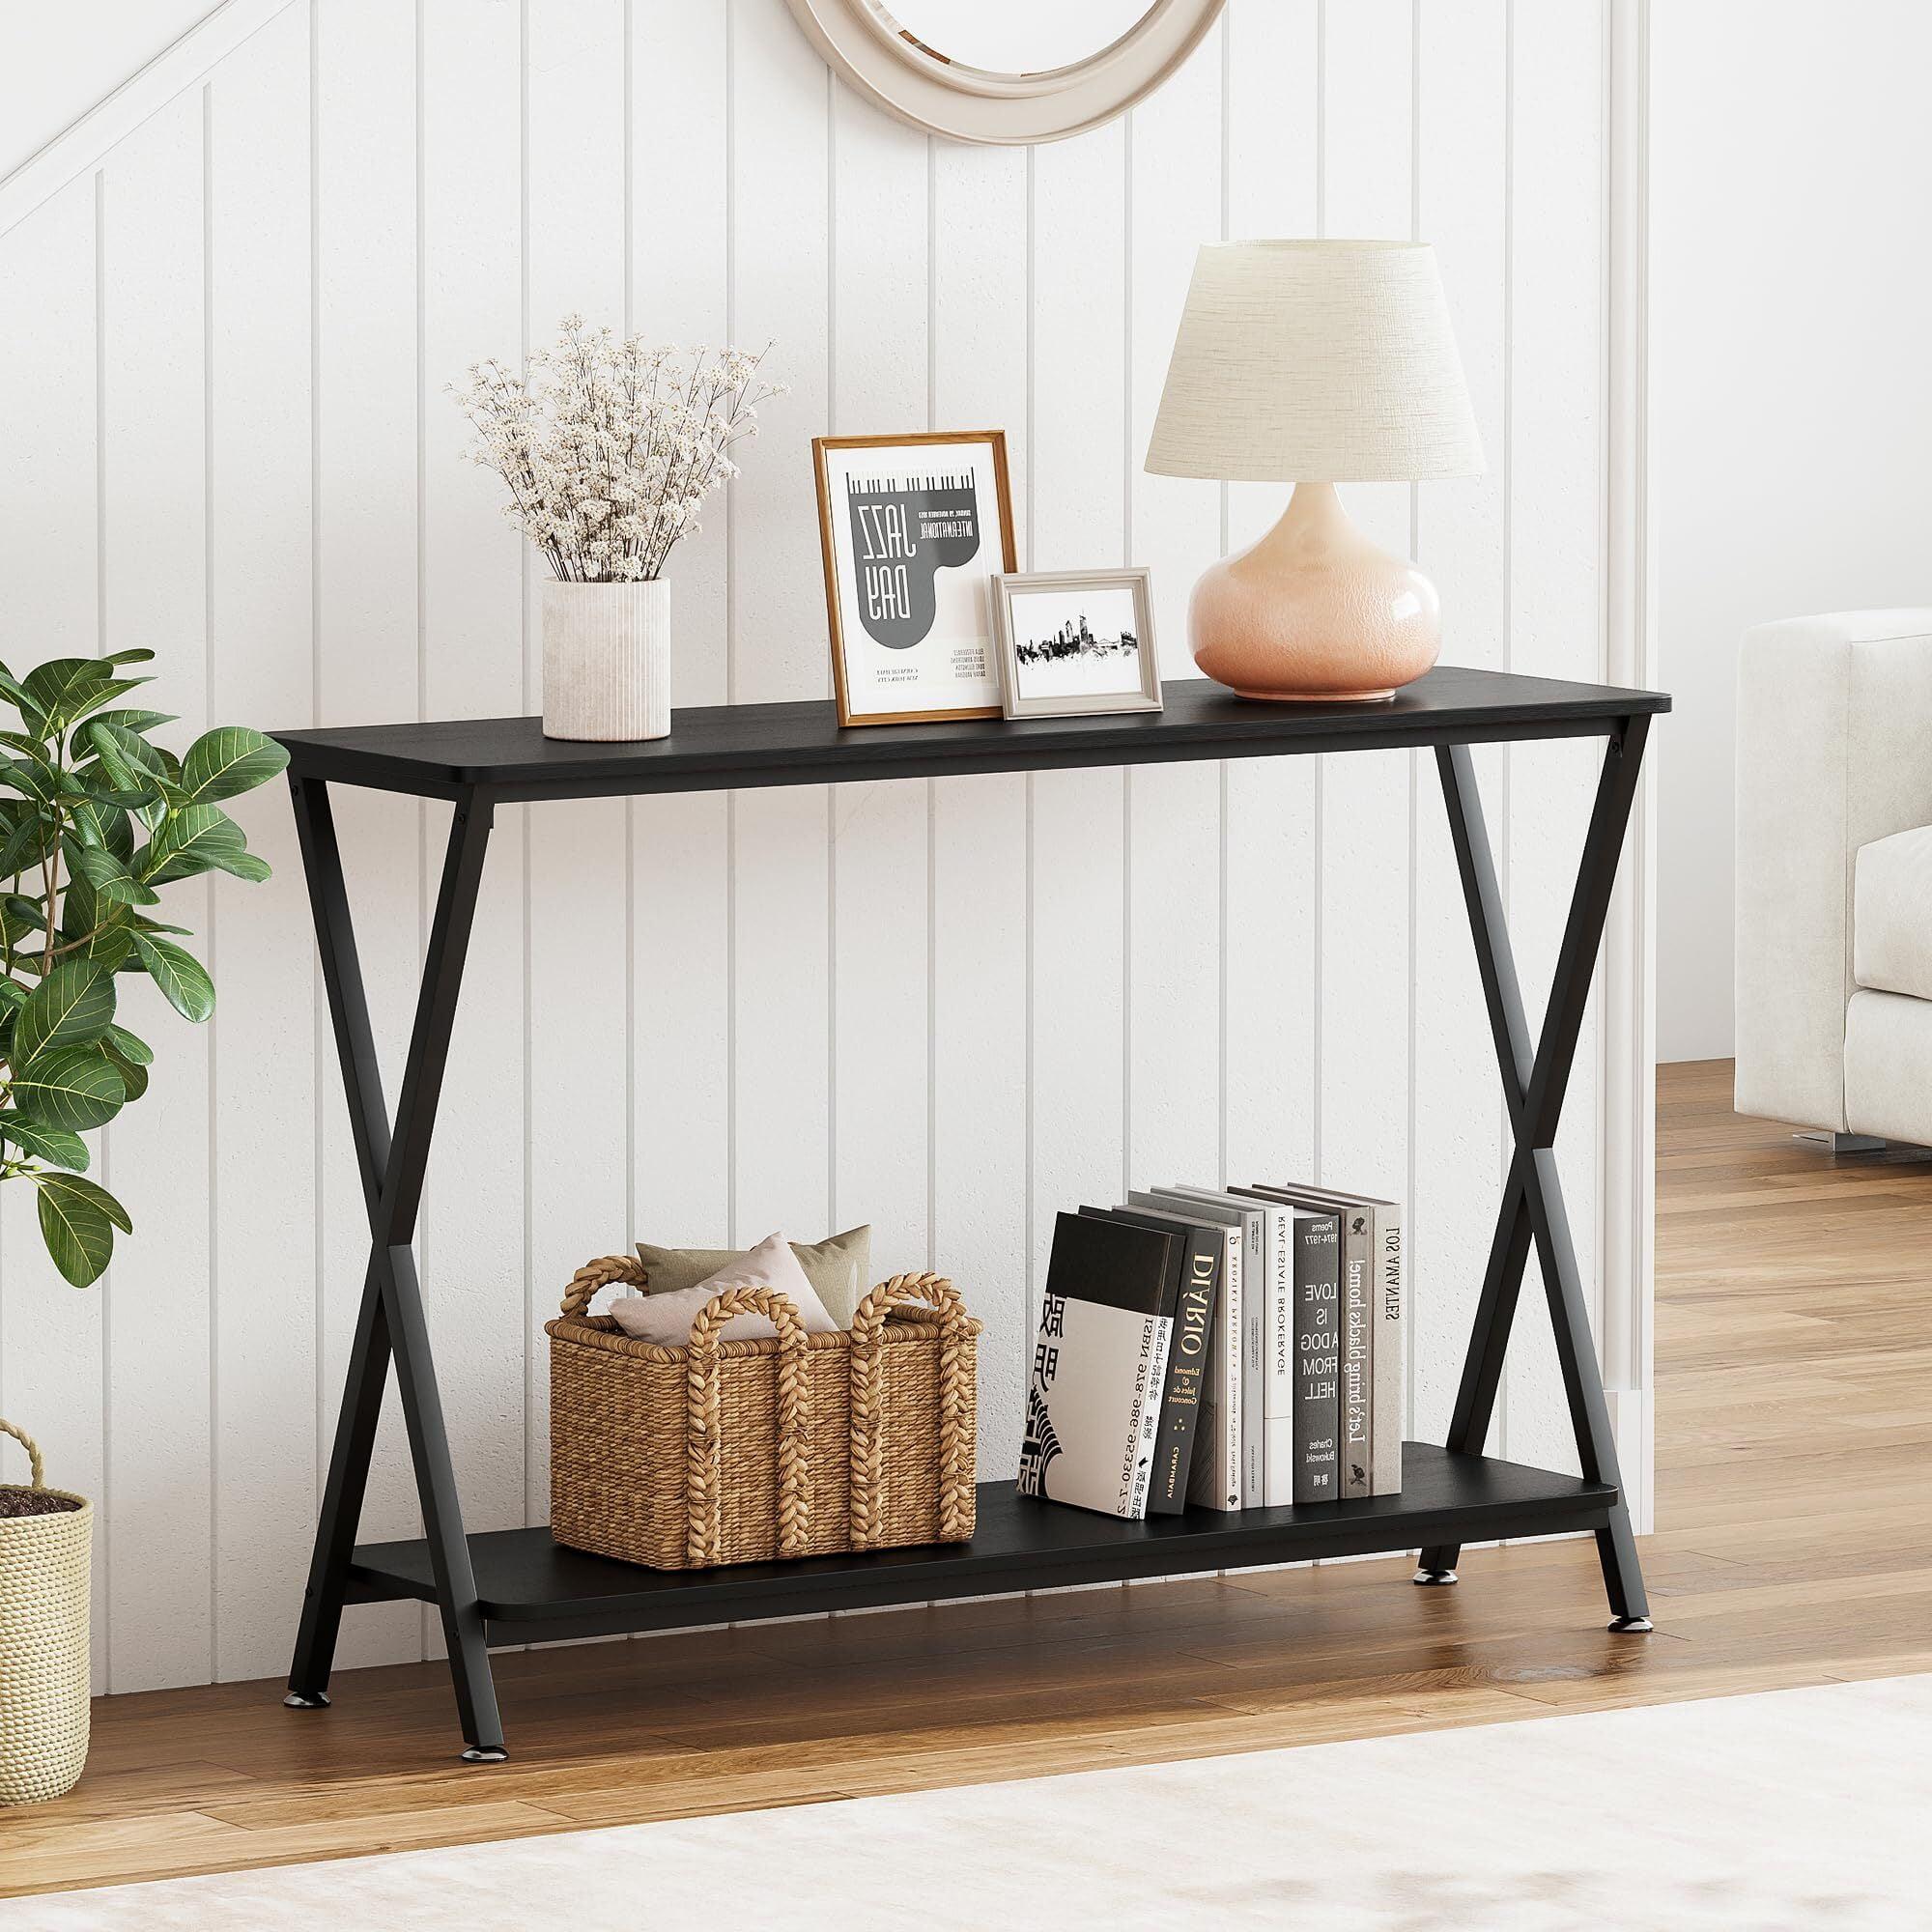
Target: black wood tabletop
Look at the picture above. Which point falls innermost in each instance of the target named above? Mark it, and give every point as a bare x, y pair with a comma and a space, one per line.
731, 745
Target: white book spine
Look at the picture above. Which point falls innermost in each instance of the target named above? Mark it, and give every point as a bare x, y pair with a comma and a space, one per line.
1390, 1407
1279, 1370
1278, 1393
1358, 1335
1280, 1461
1255, 1304
1233, 1421
1137, 1474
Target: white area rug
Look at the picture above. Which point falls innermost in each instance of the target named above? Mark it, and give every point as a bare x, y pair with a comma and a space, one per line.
1794, 1809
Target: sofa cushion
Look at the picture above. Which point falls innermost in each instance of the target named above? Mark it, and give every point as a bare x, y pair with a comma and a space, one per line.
1889, 1067
1892, 919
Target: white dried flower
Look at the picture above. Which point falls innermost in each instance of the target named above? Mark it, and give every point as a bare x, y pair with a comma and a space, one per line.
610, 447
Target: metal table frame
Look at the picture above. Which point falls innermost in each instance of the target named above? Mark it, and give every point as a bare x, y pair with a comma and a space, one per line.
795, 744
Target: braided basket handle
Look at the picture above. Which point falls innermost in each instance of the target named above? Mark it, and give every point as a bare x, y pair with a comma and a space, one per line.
598, 1274
955, 1496
703, 1437
908, 1292
38, 1469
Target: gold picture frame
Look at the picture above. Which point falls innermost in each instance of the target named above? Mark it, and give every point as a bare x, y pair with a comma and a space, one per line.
890, 530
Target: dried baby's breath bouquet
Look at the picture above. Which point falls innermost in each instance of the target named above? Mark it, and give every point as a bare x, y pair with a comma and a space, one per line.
610, 447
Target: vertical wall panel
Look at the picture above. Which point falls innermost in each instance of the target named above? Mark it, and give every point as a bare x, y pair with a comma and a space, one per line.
472, 664
780, 287
1369, 181
153, 416
881, 989
1555, 587
680, 1181
1272, 904
578, 882
367, 661
1174, 812
950, 1008
262, 672
1462, 527
50, 1333
980, 318
1079, 838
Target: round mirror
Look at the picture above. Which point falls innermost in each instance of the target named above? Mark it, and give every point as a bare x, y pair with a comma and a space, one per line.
1011, 37
1005, 71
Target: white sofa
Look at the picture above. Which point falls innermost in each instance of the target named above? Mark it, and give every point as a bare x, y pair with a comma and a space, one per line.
1834, 874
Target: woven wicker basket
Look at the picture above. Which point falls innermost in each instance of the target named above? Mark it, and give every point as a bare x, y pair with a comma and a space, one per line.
47, 1538
735, 1452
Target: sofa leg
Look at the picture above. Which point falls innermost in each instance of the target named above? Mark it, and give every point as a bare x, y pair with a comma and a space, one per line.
1837, 1143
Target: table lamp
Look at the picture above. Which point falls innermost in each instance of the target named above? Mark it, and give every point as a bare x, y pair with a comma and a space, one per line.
1314, 363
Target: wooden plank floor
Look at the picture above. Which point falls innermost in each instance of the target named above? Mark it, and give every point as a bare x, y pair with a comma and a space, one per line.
1794, 1504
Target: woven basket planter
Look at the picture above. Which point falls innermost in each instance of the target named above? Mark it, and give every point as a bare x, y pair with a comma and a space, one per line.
46, 1541
736, 1452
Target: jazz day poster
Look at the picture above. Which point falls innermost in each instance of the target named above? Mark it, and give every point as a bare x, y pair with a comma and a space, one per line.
913, 529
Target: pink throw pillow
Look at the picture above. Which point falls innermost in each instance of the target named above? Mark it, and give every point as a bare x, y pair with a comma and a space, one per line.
666, 1319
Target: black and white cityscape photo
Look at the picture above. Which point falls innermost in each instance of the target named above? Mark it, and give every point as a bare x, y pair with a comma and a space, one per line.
1080, 641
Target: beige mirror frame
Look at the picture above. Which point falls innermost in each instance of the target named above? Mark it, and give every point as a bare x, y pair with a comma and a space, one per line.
865, 49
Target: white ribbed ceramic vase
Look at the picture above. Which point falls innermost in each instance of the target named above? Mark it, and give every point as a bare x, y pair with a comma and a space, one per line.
607, 660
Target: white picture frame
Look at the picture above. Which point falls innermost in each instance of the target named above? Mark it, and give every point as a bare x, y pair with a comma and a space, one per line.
1075, 643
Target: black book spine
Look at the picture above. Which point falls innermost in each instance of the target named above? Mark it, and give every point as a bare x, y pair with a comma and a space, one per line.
1317, 1407
1187, 1367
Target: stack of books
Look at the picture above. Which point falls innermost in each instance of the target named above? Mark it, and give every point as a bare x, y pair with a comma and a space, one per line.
1221, 1347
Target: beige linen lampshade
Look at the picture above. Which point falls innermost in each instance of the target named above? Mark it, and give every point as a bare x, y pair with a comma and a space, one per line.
1314, 363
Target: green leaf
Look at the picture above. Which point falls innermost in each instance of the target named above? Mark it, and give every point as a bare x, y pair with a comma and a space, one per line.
47, 685
227, 761
32, 747
131, 764
131, 1046
190, 842
142, 722
109, 878
72, 1087
64, 689
82, 703
23, 834
80, 908
12, 689
181, 977
136, 655
133, 1078
114, 946
33, 778
77, 1223
247, 865
54, 1144
72, 1005
104, 826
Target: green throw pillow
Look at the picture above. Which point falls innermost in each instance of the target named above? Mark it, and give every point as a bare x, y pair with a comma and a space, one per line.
838, 1268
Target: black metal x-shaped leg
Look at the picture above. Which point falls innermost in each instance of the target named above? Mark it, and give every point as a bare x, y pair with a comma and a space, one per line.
1535, 1073
390, 1321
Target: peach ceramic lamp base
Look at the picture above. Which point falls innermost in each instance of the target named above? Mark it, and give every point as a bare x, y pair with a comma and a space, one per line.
1314, 613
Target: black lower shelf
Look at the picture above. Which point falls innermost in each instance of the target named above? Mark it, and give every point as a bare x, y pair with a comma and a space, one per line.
524, 1578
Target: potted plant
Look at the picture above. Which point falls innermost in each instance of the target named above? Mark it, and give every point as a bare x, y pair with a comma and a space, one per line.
609, 449
96, 821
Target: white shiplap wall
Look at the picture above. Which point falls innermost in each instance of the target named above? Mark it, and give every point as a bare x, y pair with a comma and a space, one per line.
947, 1008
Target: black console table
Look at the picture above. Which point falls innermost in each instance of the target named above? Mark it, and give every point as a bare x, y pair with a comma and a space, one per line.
516, 1585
